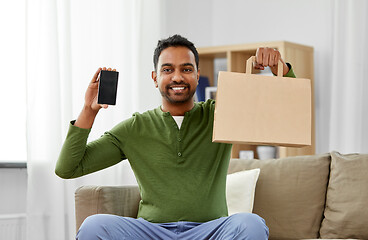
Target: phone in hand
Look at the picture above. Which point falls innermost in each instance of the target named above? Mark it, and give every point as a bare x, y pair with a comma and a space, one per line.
107, 87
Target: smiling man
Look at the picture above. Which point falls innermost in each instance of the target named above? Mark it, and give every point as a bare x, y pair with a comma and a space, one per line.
181, 173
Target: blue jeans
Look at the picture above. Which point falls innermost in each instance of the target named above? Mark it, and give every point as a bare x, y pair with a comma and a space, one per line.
111, 227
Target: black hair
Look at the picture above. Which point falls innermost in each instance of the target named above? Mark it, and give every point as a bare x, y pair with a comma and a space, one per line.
174, 41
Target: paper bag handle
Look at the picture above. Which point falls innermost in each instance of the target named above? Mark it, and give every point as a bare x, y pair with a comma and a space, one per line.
252, 59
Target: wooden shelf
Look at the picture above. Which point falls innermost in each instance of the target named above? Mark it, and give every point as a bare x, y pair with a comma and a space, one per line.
299, 56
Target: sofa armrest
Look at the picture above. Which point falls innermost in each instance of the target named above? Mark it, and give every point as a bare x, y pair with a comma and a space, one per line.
118, 200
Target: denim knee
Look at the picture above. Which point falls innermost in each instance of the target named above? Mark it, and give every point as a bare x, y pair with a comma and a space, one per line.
92, 228
249, 226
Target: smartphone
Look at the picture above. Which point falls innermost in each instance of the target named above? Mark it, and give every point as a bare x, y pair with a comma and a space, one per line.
107, 87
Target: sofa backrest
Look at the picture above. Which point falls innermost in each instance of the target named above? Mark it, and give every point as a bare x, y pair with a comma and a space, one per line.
118, 200
290, 193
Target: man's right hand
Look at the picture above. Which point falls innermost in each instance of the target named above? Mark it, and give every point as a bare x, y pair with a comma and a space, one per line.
91, 107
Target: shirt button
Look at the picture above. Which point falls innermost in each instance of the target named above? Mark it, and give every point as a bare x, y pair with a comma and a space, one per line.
179, 139
179, 154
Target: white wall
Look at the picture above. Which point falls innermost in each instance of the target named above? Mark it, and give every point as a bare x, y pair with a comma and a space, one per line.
220, 22
13, 190
192, 19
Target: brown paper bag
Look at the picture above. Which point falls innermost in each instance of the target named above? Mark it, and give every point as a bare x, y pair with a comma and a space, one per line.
263, 110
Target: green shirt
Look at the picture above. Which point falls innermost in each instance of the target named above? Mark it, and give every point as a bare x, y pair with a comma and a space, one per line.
181, 173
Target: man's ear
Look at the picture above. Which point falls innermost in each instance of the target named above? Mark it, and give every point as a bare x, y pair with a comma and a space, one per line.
154, 78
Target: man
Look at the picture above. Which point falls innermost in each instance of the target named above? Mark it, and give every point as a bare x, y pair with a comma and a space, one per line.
180, 172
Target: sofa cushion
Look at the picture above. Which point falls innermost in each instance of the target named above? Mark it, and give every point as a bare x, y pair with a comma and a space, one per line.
240, 189
346, 213
290, 193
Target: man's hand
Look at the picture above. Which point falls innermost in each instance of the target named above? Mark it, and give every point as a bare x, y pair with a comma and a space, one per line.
90, 99
269, 57
91, 107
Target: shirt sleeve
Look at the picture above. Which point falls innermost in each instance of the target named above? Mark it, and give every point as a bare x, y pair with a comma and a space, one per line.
291, 71
77, 158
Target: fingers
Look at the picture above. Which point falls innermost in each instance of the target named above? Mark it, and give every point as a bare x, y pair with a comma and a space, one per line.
104, 106
96, 76
259, 66
109, 69
267, 57
271, 60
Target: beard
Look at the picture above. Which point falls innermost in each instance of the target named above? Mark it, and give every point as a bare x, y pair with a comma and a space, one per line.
177, 98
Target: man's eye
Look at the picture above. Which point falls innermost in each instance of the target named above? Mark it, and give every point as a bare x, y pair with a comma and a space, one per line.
188, 70
166, 70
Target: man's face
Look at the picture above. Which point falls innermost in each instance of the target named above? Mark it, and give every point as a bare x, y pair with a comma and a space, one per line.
177, 75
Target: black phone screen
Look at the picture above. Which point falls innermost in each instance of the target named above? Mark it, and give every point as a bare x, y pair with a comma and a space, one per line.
107, 88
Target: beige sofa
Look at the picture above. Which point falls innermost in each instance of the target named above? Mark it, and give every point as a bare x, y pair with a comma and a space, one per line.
303, 197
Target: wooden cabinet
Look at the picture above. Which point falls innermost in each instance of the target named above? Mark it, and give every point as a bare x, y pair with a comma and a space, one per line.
299, 56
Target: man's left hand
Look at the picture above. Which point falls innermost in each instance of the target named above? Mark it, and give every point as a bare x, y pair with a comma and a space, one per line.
269, 57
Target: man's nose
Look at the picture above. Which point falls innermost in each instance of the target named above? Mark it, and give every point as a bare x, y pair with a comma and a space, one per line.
177, 76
